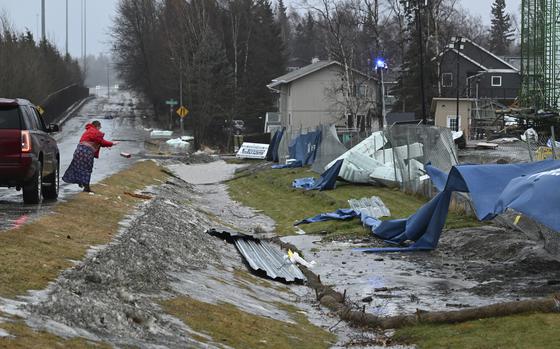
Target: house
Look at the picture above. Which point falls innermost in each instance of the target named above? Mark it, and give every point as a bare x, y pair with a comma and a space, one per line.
445, 113
318, 94
482, 74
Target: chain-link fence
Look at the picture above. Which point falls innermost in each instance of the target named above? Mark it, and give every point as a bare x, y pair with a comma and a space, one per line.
414, 146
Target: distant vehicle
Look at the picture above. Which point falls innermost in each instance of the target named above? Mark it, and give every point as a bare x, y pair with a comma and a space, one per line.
29, 156
238, 126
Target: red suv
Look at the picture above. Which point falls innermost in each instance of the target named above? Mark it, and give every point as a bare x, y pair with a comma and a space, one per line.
29, 157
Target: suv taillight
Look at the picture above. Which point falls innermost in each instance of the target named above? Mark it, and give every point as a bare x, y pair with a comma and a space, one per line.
25, 142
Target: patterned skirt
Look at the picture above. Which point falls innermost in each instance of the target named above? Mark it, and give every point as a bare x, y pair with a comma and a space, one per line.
79, 171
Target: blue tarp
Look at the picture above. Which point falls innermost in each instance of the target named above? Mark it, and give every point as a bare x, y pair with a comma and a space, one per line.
326, 181
342, 214
272, 154
493, 188
529, 188
290, 165
304, 147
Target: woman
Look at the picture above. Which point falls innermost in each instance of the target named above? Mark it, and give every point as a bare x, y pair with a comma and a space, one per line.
79, 171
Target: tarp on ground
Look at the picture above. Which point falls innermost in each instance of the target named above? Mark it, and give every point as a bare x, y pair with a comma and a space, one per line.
326, 181
493, 188
272, 154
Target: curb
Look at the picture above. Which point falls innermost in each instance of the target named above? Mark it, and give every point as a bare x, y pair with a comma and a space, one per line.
72, 109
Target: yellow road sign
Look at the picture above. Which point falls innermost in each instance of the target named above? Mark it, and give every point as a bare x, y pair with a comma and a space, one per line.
40, 110
182, 111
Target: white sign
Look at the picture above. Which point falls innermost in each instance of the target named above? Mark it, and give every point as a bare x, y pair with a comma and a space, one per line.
252, 151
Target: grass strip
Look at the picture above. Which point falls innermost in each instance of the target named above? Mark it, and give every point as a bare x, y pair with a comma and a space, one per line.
271, 191
229, 325
21, 336
534, 331
34, 254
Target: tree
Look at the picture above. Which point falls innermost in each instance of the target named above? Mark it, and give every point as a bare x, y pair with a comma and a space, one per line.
414, 90
283, 23
501, 34
211, 84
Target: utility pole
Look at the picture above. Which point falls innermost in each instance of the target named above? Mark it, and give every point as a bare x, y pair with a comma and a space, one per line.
181, 90
421, 58
381, 66
108, 88
457, 45
43, 37
85, 33
66, 27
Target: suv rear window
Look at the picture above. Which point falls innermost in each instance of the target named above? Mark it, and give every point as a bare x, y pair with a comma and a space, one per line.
9, 118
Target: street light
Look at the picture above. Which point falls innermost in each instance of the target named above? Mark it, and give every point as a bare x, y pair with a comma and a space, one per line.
380, 65
457, 45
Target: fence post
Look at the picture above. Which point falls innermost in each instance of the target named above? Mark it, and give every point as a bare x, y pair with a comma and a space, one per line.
529, 148
553, 141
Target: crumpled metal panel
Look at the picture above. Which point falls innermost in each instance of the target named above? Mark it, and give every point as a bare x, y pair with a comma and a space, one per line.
262, 255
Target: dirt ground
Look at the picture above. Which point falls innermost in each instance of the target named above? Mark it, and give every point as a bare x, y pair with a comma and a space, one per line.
471, 267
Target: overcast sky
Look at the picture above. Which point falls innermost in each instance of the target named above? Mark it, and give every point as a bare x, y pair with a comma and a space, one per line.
26, 14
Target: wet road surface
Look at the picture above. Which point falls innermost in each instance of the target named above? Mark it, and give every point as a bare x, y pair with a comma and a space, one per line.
125, 126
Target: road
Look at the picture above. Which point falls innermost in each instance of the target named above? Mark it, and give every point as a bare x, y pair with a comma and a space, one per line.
125, 127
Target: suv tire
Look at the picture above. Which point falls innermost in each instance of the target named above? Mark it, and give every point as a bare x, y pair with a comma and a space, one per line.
32, 193
51, 191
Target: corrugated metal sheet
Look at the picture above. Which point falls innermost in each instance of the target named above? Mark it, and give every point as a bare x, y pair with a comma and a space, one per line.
263, 256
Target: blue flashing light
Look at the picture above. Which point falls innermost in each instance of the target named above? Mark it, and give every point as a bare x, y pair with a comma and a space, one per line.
380, 63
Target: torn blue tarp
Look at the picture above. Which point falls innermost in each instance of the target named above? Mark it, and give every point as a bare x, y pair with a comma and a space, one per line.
326, 181
493, 188
293, 164
342, 214
272, 154
304, 147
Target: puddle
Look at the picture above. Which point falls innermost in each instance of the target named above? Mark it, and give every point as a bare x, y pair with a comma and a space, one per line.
396, 283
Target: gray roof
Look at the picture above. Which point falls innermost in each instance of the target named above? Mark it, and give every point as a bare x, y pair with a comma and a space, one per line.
308, 69
301, 72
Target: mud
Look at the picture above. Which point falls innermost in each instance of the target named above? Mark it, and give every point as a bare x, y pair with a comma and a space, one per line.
471, 267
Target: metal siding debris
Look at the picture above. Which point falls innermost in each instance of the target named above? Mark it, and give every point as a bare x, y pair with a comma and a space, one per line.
263, 255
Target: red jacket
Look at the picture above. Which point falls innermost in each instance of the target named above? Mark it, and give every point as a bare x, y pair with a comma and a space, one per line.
94, 138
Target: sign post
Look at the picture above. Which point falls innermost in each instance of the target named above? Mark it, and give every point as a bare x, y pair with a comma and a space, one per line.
182, 111
171, 103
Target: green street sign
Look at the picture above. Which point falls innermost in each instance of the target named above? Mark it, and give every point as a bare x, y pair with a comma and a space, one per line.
171, 102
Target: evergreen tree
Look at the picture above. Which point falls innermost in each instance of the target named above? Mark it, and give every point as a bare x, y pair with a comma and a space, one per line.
265, 61
409, 86
306, 41
500, 31
211, 85
283, 23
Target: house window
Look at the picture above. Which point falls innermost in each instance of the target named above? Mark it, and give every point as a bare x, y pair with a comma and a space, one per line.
452, 122
362, 122
363, 90
447, 79
350, 121
496, 81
